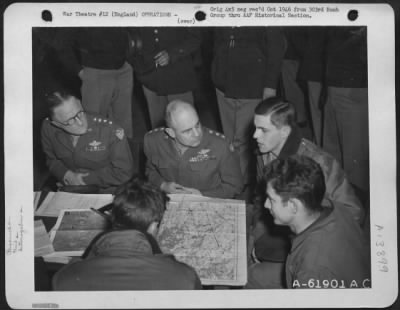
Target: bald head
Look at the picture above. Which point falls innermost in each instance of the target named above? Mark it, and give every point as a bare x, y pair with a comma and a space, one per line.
183, 123
178, 110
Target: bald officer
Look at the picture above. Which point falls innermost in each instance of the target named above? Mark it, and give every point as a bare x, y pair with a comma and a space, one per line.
82, 149
184, 157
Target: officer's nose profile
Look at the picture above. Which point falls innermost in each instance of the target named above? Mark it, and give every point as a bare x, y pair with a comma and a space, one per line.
267, 204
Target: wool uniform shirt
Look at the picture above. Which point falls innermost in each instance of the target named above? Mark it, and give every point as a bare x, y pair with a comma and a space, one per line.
212, 167
247, 60
103, 152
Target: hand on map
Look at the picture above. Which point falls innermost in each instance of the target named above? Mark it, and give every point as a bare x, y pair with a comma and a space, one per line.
192, 191
175, 188
74, 178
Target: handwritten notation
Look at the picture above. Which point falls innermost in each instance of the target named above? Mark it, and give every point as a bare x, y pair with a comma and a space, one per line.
15, 238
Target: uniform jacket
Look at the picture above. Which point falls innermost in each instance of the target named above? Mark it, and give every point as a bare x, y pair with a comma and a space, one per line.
338, 188
212, 167
332, 252
246, 60
125, 260
94, 47
103, 152
180, 43
307, 45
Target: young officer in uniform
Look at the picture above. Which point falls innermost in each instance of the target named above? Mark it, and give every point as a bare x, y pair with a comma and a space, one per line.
187, 158
84, 149
328, 248
128, 256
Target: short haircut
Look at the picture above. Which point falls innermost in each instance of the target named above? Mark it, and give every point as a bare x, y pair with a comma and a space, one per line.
174, 106
56, 97
282, 112
297, 177
137, 204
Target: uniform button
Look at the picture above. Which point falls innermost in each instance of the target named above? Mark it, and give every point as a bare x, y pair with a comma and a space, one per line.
155, 30
156, 39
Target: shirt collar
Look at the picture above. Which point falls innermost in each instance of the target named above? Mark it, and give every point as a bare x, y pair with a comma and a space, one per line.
292, 143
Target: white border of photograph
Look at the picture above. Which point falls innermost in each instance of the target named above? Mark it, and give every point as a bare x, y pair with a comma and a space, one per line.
19, 19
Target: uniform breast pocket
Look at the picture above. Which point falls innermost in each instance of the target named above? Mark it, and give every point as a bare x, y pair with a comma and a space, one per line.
98, 155
62, 153
161, 163
204, 169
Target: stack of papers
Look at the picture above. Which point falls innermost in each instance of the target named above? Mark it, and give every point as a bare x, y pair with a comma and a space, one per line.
43, 244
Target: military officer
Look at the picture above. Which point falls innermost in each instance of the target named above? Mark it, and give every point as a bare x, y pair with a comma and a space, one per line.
83, 149
184, 157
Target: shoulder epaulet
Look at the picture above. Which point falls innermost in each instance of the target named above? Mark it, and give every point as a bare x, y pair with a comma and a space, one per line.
102, 121
310, 147
155, 130
216, 134
308, 144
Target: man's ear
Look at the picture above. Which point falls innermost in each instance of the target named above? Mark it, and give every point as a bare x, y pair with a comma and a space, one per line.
295, 205
170, 132
285, 131
153, 229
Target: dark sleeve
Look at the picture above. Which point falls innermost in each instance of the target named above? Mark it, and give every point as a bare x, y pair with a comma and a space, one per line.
197, 283
188, 46
152, 173
339, 189
275, 47
67, 49
120, 167
230, 173
55, 165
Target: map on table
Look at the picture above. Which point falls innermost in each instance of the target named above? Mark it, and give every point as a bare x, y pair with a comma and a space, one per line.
209, 235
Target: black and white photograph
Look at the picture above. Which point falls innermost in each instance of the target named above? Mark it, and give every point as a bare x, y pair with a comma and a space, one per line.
226, 155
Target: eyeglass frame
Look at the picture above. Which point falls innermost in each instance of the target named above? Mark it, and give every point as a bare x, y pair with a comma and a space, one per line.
71, 121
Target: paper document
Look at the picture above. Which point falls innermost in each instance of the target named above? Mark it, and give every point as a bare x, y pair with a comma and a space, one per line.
57, 201
43, 244
36, 198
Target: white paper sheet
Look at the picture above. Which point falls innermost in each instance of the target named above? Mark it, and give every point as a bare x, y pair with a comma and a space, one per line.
57, 201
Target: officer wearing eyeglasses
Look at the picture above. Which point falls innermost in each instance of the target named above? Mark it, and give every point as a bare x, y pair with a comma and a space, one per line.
84, 150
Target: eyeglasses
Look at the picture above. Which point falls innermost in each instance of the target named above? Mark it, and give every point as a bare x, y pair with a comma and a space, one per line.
71, 121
